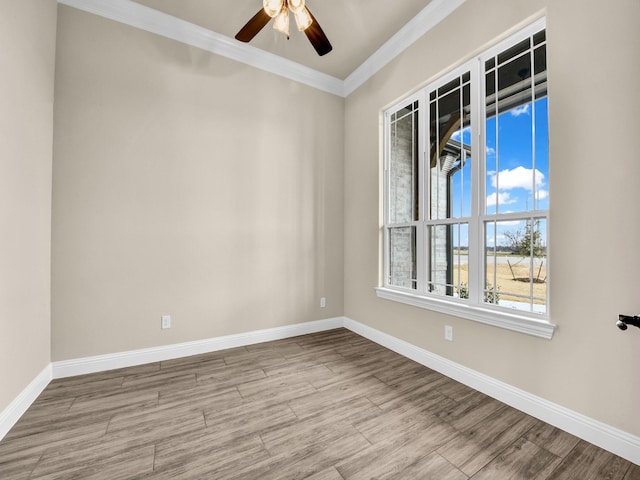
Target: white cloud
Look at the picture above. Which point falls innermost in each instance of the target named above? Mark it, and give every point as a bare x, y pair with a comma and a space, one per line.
458, 134
523, 110
541, 194
519, 177
503, 198
491, 151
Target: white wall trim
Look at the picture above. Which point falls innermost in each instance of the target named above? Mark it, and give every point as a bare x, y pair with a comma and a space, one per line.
424, 21
145, 18
605, 436
100, 363
496, 316
10, 415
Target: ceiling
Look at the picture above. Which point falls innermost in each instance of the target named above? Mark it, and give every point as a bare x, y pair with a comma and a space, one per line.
365, 34
355, 28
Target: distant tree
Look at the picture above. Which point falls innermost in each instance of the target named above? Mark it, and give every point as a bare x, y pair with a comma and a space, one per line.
527, 244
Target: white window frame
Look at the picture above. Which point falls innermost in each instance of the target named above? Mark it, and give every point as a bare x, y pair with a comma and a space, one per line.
472, 308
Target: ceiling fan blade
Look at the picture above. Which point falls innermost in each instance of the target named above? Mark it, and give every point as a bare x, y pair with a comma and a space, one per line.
253, 26
317, 37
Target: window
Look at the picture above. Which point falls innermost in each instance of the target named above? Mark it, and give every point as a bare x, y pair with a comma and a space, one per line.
466, 172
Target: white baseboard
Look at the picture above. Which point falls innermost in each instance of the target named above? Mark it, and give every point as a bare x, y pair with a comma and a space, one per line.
605, 436
10, 415
69, 368
101, 363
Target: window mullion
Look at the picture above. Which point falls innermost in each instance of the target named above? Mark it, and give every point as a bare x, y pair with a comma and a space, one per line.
476, 240
386, 192
421, 254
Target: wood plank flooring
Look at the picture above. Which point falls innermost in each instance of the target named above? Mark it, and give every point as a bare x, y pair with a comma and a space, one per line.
327, 406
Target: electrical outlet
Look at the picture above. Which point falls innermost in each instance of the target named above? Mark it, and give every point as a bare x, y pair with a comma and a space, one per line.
323, 302
166, 321
448, 333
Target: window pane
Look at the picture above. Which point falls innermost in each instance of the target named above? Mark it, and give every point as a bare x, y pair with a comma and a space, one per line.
449, 259
541, 193
517, 133
516, 264
460, 176
403, 168
449, 189
404, 111
514, 51
402, 257
453, 84
489, 64
540, 65
491, 139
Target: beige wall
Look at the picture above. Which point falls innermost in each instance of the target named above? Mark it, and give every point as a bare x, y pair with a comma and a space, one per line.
186, 184
182, 186
27, 47
593, 63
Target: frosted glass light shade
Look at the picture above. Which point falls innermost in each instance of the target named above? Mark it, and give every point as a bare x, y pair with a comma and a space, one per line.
296, 5
281, 22
303, 19
273, 7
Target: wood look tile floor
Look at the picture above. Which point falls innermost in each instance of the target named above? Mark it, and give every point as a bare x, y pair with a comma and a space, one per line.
327, 406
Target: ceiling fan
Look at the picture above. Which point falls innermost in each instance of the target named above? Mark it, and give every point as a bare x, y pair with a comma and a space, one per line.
279, 11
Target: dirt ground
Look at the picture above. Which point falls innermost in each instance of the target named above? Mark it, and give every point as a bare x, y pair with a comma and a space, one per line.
507, 285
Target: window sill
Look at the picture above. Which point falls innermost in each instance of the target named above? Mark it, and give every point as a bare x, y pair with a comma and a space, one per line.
502, 319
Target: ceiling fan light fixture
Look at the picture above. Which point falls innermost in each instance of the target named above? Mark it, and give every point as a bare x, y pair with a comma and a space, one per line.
281, 22
296, 5
279, 11
273, 7
303, 19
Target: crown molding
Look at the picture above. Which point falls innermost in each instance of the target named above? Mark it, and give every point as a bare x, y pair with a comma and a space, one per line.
145, 18
429, 17
140, 16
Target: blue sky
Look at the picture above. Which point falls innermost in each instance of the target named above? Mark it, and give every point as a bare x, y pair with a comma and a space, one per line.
517, 173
